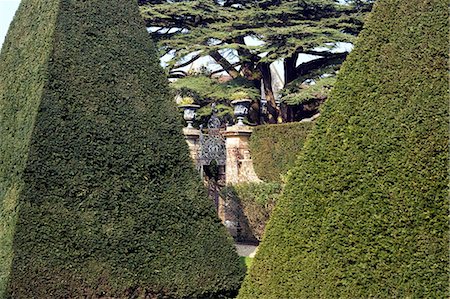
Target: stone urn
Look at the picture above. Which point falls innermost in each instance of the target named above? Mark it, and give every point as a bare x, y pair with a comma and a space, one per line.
241, 108
189, 113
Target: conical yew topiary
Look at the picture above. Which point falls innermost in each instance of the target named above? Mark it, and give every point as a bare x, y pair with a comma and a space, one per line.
98, 195
364, 213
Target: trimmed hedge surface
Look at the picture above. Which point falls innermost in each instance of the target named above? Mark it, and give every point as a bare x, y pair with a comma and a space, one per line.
98, 195
275, 148
364, 213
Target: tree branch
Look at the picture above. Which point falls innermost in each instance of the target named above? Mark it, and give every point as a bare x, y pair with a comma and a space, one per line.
187, 62
177, 74
325, 54
304, 68
222, 70
224, 63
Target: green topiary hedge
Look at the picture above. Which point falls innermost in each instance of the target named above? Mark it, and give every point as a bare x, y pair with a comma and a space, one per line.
98, 195
275, 148
364, 213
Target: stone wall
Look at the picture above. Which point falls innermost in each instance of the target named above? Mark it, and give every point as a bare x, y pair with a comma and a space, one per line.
238, 169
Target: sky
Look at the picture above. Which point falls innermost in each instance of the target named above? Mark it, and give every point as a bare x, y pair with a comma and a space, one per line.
7, 11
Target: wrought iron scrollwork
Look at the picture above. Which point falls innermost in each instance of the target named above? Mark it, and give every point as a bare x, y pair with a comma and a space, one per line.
212, 142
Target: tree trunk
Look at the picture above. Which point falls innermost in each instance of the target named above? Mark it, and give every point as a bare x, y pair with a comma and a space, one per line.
290, 70
273, 112
254, 114
248, 60
225, 64
290, 74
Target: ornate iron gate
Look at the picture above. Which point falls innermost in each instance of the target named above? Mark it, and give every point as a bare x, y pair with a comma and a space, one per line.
212, 143
212, 150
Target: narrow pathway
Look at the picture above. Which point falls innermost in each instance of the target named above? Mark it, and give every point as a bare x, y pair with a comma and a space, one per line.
246, 250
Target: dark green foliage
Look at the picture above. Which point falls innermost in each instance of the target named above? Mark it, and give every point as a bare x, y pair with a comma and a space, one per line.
248, 261
302, 93
220, 30
97, 190
252, 204
204, 89
275, 148
286, 27
364, 213
23, 64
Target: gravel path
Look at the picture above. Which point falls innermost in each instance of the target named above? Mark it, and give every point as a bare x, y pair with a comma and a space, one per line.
245, 249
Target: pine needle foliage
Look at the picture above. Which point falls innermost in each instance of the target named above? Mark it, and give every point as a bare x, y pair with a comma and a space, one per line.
245, 37
98, 195
301, 93
285, 27
364, 212
204, 89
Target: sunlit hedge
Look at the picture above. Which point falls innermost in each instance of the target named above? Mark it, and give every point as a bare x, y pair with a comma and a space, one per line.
275, 148
364, 212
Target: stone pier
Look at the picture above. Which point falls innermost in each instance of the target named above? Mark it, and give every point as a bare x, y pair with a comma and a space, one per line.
238, 169
192, 137
239, 166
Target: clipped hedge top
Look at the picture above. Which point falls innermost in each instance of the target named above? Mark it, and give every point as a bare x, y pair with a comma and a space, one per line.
275, 148
364, 213
107, 201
